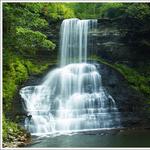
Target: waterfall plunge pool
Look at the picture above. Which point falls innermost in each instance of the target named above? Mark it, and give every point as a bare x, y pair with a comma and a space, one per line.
97, 138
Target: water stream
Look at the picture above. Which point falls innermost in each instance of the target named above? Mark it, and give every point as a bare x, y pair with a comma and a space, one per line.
71, 98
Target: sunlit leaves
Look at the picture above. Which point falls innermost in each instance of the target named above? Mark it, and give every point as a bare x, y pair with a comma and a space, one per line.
57, 11
29, 40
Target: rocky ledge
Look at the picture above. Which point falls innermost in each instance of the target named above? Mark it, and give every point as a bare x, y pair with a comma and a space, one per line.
14, 141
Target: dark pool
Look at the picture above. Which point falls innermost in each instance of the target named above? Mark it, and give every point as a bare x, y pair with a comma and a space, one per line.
121, 138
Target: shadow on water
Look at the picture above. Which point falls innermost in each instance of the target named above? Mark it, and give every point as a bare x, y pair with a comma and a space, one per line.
113, 138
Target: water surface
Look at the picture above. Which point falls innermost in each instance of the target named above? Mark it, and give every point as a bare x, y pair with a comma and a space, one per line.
140, 138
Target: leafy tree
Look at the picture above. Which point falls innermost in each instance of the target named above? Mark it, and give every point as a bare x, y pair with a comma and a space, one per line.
85, 10
140, 11
25, 27
57, 11
22, 28
29, 40
112, 10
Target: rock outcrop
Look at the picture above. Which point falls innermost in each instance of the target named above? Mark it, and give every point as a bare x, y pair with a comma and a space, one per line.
124, 40
129, 101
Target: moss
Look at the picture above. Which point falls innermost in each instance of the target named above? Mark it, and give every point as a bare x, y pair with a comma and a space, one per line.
138, 81
35, 68
135, 79
18, 70
99, 59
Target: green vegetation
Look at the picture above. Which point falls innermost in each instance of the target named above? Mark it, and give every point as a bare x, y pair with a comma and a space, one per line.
57, 11
30, 40
139, 11
25, 27
18, 71
137, 81
26, 30
13, 134
10, 128
134, 78
111, 10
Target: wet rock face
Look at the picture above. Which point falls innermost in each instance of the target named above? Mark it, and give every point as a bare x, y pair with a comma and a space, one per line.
110, 44
121, 40
129, 102
127, 99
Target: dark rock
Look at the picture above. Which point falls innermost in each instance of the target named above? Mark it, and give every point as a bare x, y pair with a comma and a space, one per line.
21, 144
122, 39
129, 101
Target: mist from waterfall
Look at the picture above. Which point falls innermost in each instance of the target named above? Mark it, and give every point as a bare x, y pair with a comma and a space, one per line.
71, 98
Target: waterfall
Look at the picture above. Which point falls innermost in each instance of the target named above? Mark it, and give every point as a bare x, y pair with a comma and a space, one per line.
74, 38
71, 98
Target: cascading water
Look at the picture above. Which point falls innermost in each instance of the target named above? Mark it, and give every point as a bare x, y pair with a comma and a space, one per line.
71, 98
74, 38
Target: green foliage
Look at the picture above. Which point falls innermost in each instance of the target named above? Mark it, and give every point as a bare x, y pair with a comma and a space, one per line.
24, 14
24, 26
57, 11
12, 77
10, 129
140, 11
29, 40
137, 81
18, 70
35, 68
85, 10
112, 10
9, 89
98, 10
